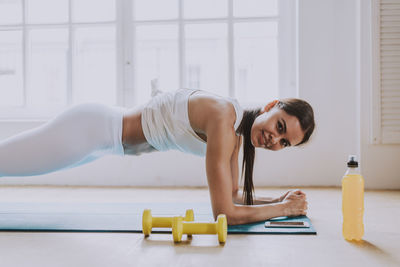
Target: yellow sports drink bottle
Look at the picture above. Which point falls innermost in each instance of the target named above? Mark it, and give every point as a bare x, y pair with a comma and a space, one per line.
353, 201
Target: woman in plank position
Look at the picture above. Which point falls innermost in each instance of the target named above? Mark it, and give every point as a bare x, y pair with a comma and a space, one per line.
191, 121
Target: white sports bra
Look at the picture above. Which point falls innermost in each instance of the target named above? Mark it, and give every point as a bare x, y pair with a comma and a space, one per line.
166, 125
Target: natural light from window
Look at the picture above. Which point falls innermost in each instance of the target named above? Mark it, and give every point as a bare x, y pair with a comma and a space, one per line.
107, 51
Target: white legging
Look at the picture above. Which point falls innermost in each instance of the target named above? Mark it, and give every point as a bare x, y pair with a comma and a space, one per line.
78, 135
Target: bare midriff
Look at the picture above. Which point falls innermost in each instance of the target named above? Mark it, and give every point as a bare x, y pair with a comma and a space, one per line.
132, 132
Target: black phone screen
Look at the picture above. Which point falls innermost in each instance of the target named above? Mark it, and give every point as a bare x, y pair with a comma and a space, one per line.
286, 223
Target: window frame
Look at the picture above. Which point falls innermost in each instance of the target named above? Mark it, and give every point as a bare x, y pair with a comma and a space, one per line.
125, 63
25, 113
287, 45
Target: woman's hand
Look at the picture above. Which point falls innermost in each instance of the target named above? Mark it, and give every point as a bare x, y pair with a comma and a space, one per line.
295, 203
281, 198
297, 191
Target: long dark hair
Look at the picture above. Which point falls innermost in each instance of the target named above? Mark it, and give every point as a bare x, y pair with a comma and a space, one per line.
292, 106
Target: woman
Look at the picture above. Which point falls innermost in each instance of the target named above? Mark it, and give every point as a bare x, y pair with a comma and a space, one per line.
192, 121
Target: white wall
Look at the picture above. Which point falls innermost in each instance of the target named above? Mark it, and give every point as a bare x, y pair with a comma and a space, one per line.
329, 69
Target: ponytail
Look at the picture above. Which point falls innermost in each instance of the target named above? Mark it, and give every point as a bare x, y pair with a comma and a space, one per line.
248, 153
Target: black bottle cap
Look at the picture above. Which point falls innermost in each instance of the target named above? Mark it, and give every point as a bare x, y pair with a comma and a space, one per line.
352, 162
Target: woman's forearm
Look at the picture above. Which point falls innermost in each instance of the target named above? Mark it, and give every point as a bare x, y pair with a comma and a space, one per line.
254, 213
239, 199
264, 200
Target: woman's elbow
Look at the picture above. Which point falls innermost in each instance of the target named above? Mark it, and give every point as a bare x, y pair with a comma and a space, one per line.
231, 214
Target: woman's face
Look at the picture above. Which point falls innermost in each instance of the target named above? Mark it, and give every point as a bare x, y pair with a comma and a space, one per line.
274, 129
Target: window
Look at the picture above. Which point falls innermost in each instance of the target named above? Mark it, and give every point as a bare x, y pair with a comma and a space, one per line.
108, 51
54, 53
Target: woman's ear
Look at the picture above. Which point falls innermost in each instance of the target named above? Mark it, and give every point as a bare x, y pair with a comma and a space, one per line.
270, 105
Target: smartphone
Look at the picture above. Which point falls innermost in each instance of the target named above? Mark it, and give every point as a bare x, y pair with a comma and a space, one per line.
291, 224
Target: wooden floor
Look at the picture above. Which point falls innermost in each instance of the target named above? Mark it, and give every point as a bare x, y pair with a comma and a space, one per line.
380, 247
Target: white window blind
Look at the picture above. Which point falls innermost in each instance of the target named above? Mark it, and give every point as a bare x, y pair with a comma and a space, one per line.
386, 72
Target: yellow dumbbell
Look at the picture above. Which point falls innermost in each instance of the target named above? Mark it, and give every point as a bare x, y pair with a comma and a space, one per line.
148, 221
180, 227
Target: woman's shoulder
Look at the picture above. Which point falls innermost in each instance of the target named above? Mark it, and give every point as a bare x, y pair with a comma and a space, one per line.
210, 108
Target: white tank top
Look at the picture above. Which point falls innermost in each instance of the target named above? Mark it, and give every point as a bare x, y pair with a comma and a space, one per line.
165, 123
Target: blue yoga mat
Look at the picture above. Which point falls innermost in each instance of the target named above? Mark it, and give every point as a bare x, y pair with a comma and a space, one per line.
117, 217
